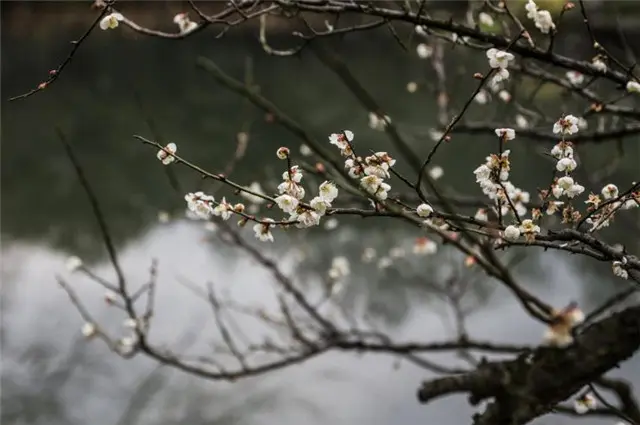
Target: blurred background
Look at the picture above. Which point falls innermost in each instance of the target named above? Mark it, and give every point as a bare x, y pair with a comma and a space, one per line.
121, 83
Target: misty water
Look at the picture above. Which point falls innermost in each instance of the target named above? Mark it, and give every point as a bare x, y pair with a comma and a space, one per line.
120, 85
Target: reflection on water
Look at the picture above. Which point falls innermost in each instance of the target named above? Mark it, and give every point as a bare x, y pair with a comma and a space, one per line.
75, 381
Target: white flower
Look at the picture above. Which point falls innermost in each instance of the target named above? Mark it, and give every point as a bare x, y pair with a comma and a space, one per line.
619, 271
200, 204
262, 231
481, 215
528, 226
574, 191
575, 78
506, 133
130, 323
166, 154
511, 233
566, 164
482, 173
424, 210
599, 65
609, 191
505, 96
420, 30
566, 125
291, 188
424, 246
287, 203
585, 403
633, 87
223, 210
282, 152
371, 183
73, 264
485, 19
89, 330
532, 9
521, 121
328, 191
565, 182
482, 97
412, 86
436, 172
342, 141
255, 188
307, 219
378, 123
424, 51
499, 58
544, 22
111, 21
294, 174
320, 205
562, 150
183, 21
339, 268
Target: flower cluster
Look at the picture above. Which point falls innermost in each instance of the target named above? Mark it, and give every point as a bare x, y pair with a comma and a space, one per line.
205, 206
558, 333
541, 18
166, 154
602, 213
499, 60
291, 194
371, 170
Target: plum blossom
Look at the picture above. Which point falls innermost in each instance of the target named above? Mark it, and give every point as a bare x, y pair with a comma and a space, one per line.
375, 186
575, 77
282, 152
566, 125
424, 210
505, 133
166, 154
585, 403
610, 191
224, 210
599, 65
566, 164
328, 191
287, 203
633, 87
342, 141
200, 204
262, 231
511, 233
111, 21
184, 23
498, 58
424, 246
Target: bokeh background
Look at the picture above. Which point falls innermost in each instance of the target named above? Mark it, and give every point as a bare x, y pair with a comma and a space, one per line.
120, 84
